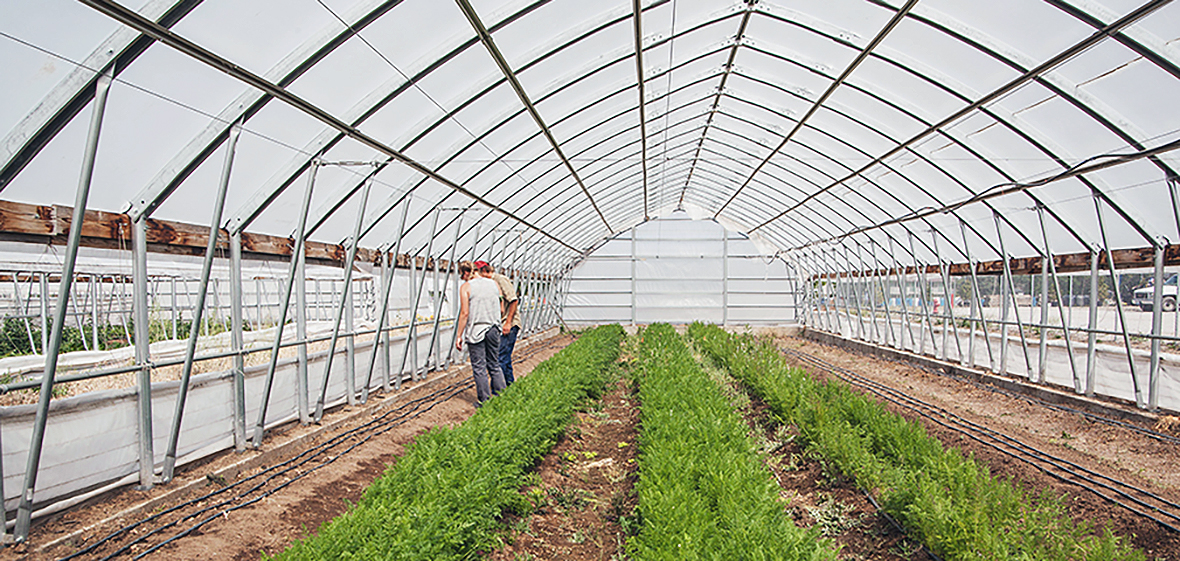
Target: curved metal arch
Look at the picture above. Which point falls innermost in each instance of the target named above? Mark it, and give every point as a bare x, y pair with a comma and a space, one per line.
787, 183
890, 168
301, 163
737, 42
1027, 76
960, 144
832, 160
941, 84
250, 103
1021, 131
1104, 117
953, 140
133, 19
531, 137
75, 91
489, 43
593, 71
328, 139
899, 15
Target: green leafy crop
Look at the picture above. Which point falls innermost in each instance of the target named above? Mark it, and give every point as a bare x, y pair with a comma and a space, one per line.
443, 498
703, 491
950, 502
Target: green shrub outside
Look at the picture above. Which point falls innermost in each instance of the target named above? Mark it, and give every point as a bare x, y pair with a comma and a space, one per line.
14, 336
952, 503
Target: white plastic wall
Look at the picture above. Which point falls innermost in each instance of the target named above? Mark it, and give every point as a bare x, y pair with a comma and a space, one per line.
680, 270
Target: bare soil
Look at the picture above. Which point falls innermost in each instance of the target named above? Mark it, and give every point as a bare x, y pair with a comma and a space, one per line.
585, 489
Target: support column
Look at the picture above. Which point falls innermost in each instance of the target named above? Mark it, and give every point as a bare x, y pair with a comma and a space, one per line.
634, 301
238, 339
345, 302
24, 513
724, 276
147, 458
1157, 320
1118, 300
1091, 323
294, 270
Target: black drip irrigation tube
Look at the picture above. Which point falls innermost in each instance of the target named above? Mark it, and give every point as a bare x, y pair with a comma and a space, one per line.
385, 422
893, 521
1089, 480
1166, 438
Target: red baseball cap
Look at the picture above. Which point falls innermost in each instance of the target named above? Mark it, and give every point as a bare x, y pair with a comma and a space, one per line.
479, 265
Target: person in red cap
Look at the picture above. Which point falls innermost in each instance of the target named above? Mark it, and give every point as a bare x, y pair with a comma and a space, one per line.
479, 327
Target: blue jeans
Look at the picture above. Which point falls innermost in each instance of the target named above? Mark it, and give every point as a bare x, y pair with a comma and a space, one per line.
507, 343
485, 367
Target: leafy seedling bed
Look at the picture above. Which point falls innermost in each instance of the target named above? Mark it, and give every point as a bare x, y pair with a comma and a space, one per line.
583, 490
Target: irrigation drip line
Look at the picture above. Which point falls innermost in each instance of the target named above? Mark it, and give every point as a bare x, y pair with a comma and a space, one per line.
1031, 455
897, 525
361, 434
1166, 438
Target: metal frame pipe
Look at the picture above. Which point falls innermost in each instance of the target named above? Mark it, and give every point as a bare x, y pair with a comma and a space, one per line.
1153, 379
350, 341
1118, 300
296, 251
415, 296
143, 355
25, 510
302, 376
883, 284
1052, 267
902, 280
1091, 340
1011, 292
920, 274
440, 363
338, 313
43, 280
238, 340
877, 338
198, 312
948, 303
724, 276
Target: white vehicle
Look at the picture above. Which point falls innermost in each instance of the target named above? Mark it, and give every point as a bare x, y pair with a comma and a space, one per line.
1144, 296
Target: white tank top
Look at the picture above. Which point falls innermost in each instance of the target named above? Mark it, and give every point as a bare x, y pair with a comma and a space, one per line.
483, 308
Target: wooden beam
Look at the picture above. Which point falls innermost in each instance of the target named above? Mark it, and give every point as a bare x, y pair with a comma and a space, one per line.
107, 230
1137, 258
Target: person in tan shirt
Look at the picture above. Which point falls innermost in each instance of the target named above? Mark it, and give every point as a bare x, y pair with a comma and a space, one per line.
510, 319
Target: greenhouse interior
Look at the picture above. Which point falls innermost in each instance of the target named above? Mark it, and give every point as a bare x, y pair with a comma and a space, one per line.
786, 279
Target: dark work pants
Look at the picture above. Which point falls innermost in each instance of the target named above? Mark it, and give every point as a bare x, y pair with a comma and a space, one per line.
507, 343
485, 365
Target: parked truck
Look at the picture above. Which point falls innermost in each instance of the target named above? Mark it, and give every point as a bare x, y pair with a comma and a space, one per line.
1145, 297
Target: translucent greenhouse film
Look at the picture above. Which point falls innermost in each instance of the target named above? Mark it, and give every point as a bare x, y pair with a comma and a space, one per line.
216, 201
